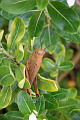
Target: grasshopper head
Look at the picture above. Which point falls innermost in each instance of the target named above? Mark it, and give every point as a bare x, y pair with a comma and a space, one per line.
40, 51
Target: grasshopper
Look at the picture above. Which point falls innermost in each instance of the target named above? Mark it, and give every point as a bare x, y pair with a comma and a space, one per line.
32, 67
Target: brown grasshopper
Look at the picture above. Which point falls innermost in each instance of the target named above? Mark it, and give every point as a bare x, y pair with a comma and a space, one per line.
32, 67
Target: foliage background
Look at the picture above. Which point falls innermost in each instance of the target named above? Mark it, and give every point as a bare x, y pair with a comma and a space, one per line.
33, 24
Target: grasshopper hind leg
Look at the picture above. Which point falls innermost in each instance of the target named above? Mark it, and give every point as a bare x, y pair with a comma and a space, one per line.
36, 87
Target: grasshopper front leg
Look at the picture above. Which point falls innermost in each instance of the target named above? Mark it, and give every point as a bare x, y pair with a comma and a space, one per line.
36, 87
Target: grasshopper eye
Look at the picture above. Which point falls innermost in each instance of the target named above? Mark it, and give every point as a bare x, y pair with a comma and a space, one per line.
40, 52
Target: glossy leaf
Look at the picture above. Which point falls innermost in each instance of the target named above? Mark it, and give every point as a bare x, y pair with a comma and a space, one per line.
6, 61
2, 117
42, 117
1, 34
75, 114
69, 54
2, 56
15, 90
40, 105
25, 103
60, 94
72, 93
68, 65
26, 117
46, 84
36, 24
52, 118
50, 102
48, 65
64, 117
66, 106
60, 56
67, 21
17, 31
6, 76
17, 6
20, 76
19, 53
49, 37
14, 115
5, 97
75, 38
41, 4
54, 74
7, 15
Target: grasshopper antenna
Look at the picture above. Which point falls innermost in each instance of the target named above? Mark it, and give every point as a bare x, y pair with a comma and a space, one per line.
50, 44
40, 43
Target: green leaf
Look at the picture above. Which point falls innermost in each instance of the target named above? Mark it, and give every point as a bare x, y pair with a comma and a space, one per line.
72, 93
1, 34
60, 55
20, 76
25, 103
19, 53
66, 21
5, 97
26, 117
60, 94
64, 117
75, 114
7, 15
65, 66
2, 117
67, 105
40, 105
17, 6
69, 54
17, 31
50, 102
46, 84
6, 76
2, 56
75, 38
54, 74
6, 61
49, 37
52, 118
42, 117
41, 4
48, 65
15, 90
36, 24
14, 115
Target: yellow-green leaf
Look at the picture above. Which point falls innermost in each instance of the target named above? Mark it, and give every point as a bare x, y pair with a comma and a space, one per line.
6, 76
20, 76
19, 53
17, 31
1, 34
41, 4
5, 97
46, 84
